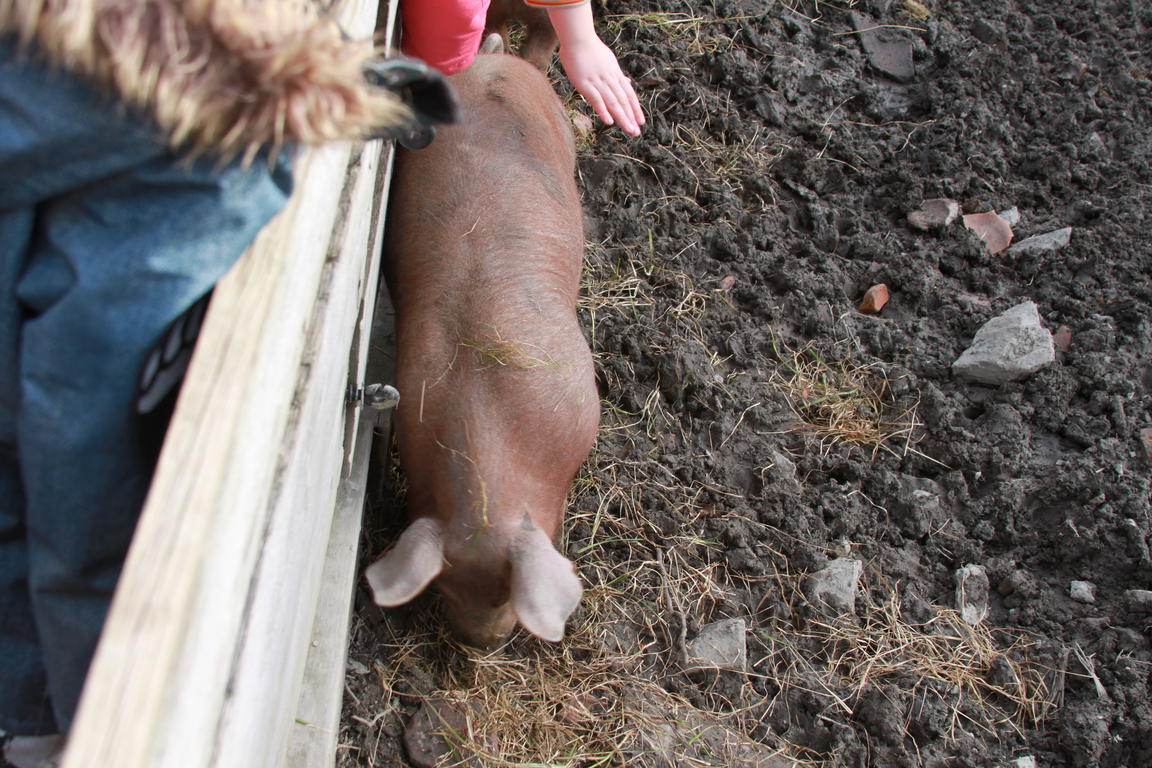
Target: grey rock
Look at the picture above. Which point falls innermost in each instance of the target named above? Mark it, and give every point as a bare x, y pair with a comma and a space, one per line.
1138, 600
1010, 215
934, 214
972, 593
834, 586
1024, 762
784, 466
1082, 591
438, 732
1008, 347
1049, 241
988, 32
888, 51
720, 645
1094, 146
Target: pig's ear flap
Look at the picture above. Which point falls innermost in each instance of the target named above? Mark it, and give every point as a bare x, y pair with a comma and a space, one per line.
545, 589
493, 44
406, 569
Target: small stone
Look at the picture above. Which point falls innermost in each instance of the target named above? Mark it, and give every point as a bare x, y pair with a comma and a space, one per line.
991, 228
1010, 215
1146, 441
874, 299
1094, 146
834, 586
783, 466
888, 51
972, 593
934, 214
987, 32
1062, 339
582, 124
1011, 583
720, 645
1138, 600
1008, 347
1082, 591
356, 667
438, 732
1024, 762
1049, 241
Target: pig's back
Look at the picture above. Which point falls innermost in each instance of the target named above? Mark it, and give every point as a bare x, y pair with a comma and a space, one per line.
494, 197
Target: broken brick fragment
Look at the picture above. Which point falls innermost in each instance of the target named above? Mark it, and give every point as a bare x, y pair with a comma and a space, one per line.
874, 299
992, 228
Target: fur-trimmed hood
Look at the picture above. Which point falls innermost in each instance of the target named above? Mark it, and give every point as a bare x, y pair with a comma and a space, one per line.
221, 76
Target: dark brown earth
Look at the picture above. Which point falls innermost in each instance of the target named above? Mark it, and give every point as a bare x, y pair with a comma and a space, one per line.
729, 248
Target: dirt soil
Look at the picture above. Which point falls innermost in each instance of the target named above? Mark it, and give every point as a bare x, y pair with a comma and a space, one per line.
757, 426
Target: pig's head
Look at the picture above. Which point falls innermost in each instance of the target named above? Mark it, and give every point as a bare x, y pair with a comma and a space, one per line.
489, 583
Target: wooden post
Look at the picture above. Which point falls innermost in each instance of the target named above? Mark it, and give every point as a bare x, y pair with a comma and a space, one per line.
253, 516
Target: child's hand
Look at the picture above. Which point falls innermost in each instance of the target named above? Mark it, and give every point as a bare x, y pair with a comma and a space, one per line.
593, 70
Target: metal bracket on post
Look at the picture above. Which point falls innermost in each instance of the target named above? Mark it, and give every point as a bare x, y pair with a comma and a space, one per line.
377, 397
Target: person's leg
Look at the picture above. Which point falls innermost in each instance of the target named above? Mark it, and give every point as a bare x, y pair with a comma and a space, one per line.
24, 706
56, 134
112, 266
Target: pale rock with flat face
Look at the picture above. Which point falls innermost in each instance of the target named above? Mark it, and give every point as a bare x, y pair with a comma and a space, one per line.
972, 593
720, 644
1008, 347
934, 214
1082, 591
834, 586
1049, 241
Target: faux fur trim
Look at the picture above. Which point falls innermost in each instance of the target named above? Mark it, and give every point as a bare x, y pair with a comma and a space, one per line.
223, 76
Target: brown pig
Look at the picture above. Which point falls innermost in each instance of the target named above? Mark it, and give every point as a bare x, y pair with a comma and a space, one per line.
500, 406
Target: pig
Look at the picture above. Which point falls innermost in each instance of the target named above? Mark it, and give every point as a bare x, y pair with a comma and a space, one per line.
499, 403
539, 42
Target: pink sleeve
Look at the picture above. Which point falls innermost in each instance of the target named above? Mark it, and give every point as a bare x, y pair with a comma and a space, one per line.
555, 3
444, 33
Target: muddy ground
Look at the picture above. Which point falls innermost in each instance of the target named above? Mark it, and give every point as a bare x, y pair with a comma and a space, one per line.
757, 426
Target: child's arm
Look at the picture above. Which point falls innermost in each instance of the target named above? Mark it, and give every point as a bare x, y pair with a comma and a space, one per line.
592, 67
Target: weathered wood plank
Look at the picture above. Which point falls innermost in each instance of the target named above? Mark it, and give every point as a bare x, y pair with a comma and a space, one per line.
231, 542
314, 736
265, 686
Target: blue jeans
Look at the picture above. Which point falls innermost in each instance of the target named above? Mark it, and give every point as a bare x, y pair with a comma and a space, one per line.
105, 238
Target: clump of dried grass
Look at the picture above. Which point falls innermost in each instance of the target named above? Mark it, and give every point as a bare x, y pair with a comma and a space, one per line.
844, 402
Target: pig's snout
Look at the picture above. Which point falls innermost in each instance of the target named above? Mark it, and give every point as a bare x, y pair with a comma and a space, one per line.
479, 625
540, 590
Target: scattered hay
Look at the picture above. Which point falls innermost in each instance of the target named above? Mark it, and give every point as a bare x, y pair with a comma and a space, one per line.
982, 676
843, 402
690, 30
595, 700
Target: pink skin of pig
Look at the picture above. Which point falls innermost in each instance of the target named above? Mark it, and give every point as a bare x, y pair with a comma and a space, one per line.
500, 407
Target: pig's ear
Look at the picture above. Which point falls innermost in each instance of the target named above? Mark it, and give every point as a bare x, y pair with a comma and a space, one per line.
545, 589
492, 44
406, 569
